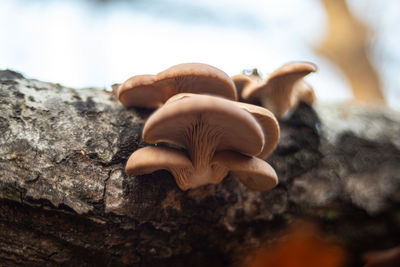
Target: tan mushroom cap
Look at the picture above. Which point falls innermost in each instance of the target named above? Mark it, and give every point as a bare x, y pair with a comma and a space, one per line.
254, 173
198, 78
276, 91
153, 158
241, 81
139, 91
264, 117
269, 125
151, 91
206, 119
149, 159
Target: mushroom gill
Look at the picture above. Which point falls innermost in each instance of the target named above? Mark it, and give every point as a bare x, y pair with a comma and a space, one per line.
195, 134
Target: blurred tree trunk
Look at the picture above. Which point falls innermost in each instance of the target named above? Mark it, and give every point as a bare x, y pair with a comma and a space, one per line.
65, 199
348, 46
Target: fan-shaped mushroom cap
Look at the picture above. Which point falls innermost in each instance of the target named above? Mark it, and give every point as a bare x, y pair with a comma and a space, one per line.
276, 91
244, 80
265, 119
151, 91
269, 125
140, 91
254, 173
241, 81
198, 78
151, 158
193, 121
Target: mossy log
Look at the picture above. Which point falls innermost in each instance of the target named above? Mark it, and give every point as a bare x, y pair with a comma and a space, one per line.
66, 200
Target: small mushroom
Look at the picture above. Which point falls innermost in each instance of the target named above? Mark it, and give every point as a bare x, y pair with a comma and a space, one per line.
283, 89
243, 80
204, 126
151, 91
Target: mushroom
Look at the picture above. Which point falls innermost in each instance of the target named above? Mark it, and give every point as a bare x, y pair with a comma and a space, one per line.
243, 80
151, 91
208, 128
283, 89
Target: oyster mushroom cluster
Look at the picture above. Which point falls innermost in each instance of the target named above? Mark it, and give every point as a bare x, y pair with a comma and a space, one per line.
218, 136
207, 132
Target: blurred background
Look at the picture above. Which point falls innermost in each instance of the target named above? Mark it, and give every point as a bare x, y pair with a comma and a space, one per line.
95, 43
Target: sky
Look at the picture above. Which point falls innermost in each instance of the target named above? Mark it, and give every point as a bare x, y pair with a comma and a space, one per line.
83, 44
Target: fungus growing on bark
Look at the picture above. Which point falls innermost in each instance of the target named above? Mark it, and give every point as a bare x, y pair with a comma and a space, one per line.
217, 134
282, 90
151, 91
243, 80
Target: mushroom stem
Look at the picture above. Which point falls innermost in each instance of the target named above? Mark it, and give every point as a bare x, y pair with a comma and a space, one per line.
281, 89
201, 141
187, 178
182, 176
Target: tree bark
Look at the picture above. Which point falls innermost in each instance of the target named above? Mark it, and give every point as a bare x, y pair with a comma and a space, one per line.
66, 200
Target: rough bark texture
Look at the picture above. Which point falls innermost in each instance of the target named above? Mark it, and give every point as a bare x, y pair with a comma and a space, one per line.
65, 199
